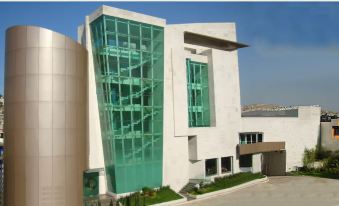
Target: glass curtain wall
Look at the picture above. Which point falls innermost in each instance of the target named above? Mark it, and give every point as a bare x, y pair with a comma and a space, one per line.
128, 60
198, 96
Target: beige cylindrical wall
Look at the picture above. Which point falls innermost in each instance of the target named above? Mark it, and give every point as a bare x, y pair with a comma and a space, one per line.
45, 118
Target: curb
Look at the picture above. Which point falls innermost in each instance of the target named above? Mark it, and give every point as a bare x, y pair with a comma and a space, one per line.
229, 190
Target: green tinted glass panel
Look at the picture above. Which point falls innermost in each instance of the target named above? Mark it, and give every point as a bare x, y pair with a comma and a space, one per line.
197, 93
129, 63
91, 184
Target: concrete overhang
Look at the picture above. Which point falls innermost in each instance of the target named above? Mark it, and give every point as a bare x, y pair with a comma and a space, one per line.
260, 147
212, 42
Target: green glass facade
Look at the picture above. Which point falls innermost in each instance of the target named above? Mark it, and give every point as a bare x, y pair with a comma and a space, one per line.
197, 92
129, 64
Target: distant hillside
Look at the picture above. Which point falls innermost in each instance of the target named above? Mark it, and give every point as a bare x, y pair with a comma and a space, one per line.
274, 107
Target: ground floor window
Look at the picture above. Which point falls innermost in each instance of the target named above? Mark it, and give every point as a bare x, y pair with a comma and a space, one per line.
245, 161
336, 132
211, 167
226, 164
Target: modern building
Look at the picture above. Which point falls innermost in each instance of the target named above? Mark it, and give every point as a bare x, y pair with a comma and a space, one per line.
148, 104
329, 138
297, 127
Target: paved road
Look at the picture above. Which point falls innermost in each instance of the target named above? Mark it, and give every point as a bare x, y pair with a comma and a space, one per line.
280, 191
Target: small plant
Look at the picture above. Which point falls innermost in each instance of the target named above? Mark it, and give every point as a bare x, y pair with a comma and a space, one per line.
148, 192
148, 196
309, 157
146, 189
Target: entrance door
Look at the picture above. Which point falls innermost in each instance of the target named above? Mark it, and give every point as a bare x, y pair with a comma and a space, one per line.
274, 163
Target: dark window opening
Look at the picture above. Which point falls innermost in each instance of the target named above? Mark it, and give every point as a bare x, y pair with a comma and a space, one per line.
226, 164
245, 161
336, 130
248, 139
242, 139
259, 137
254, 138
211, 167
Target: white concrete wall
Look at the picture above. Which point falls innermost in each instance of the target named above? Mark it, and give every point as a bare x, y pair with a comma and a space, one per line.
197, 169
297, 132
94, 147
256, 163
217, 141
175, 147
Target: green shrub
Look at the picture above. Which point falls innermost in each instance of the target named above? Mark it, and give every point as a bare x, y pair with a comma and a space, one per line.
333, 161
149, 192
318, 154
329, 168
149, 196
309, 156
146, 189
322, 153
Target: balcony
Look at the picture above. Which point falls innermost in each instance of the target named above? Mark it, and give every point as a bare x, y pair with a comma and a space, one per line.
260, 147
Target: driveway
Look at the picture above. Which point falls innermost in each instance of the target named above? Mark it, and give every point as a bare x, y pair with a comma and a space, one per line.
280, 191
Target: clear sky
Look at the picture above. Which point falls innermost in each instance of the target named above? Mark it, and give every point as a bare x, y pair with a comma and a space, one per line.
293, 58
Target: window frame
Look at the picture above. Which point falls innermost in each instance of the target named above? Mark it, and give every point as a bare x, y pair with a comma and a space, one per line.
247, 137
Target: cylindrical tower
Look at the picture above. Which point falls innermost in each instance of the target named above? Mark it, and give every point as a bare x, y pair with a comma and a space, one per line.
45, 118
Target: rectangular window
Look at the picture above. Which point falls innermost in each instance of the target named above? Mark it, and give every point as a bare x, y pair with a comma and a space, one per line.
211, 167
134, 29
335, 130
245, 160
122, 27
197, 94
250, 137
110, 25
226, 164
259, 137
254, 138
242, 139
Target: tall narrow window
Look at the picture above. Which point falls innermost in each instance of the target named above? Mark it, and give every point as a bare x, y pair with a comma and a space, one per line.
226, 164
211, 167
198, 94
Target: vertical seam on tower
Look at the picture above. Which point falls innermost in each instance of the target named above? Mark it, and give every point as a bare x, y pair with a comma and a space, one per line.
52, 103
65, 151
38, 102
173, 107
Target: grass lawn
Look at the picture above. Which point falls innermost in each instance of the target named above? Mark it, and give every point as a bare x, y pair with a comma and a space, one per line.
227, 182
164, 194
315, 174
